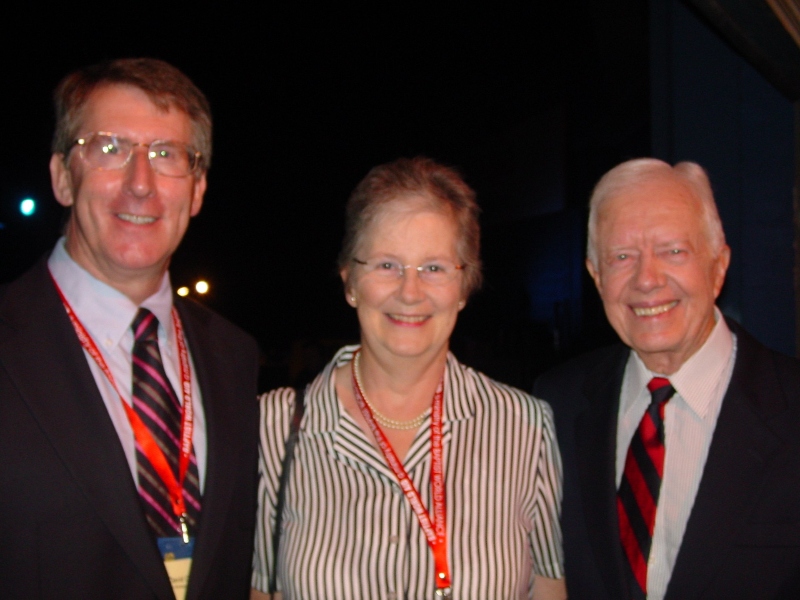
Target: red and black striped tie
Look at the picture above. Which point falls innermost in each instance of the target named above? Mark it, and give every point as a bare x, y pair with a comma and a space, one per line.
155, 402
638, 492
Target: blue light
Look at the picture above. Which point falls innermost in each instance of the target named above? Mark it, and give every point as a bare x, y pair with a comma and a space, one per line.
27, 207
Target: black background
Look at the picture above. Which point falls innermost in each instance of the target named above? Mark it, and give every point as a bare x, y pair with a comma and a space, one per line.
306, 98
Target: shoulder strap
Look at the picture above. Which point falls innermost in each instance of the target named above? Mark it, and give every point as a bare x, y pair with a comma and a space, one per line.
286, 467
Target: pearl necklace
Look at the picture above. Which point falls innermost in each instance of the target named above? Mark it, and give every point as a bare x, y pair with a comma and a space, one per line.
382, 419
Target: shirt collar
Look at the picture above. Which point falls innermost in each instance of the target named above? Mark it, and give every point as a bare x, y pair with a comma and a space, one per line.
105, 312
459, 402
457, 406
699, 375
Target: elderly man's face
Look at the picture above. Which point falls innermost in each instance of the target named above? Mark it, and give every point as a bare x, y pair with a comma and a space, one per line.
657, 274
126, 223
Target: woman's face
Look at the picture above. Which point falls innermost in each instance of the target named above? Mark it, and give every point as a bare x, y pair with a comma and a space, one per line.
406, 317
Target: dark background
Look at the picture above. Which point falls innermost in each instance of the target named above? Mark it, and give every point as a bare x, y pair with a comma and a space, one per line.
531, 101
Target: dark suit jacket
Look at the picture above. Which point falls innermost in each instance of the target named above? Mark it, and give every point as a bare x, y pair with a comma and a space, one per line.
743, 535
71, 525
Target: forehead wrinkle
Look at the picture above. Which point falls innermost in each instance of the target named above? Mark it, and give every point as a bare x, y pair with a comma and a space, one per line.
647, 198
133, 119
400, 209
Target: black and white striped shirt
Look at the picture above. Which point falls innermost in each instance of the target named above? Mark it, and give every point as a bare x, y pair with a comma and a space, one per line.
349, 531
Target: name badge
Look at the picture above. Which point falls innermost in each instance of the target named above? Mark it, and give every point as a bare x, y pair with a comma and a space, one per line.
177, 557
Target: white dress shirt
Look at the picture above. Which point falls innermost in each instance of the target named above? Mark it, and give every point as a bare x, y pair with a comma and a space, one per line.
689, 421
107, 314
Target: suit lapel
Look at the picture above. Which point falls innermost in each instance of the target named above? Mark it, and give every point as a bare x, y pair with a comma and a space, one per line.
37, 336
596, 434
742, 445
223, 444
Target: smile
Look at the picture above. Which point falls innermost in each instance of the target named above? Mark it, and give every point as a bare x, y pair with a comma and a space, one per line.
136, 219
409, 318
652, 311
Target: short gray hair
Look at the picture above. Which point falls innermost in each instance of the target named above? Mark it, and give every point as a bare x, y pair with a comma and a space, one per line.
640, 170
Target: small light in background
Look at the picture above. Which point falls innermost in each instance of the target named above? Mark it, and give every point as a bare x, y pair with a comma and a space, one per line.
182, 291
201, 287
27, 207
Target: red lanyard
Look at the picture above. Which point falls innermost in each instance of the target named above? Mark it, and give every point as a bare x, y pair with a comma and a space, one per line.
140, 431
436, 532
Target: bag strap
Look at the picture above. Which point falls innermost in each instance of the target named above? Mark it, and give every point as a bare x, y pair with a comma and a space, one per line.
286, 467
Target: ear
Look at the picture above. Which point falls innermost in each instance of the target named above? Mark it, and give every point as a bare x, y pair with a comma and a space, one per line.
349, 294
61, 180
720, 268
595, 273
198, 192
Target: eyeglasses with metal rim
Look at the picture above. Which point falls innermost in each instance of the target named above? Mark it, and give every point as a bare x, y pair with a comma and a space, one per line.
435, 272
106, 151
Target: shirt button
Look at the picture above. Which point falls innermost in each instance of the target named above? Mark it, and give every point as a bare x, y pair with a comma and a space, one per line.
391, 596
108, 343
393, 539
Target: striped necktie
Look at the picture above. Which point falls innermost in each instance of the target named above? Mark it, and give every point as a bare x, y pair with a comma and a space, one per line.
641, 482
155, 402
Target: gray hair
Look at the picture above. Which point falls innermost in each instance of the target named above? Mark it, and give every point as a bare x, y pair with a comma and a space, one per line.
640, 170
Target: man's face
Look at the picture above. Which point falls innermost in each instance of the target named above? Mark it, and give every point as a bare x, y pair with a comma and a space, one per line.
656, 273
126, 223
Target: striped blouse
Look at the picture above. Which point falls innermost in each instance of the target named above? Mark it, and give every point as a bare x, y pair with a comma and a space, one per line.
348, 530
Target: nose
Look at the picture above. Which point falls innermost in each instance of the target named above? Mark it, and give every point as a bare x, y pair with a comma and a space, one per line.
411, 290
139, 175
649, 274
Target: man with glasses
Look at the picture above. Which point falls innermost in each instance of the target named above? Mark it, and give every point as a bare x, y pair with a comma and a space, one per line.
128, 425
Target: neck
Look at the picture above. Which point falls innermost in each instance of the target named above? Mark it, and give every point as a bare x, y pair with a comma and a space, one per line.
669, 362
137, 285
137, 293
662, 365
398, 388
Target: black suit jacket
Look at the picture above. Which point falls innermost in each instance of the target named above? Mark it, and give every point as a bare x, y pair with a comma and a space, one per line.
71, 525
742, 539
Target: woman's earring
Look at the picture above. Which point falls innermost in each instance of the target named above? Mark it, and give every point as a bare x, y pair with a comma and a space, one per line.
353, 301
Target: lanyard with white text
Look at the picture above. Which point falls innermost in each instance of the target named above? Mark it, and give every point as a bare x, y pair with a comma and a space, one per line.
436, 532
140, 430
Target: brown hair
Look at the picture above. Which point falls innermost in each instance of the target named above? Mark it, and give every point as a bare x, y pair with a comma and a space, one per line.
165, 85
442, 186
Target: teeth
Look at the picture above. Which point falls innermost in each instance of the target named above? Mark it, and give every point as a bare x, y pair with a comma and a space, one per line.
136, 219
408, 318
651, 311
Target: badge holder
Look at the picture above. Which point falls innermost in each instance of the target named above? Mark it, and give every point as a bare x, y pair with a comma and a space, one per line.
177, 555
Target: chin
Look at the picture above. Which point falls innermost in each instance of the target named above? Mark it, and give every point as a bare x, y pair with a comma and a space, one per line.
405, 352
141, 258
653, 343
412, 350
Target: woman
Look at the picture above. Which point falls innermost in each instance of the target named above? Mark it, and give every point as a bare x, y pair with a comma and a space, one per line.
413, 475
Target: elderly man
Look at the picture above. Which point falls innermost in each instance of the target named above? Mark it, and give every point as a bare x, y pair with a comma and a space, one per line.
128, 421
681, 448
